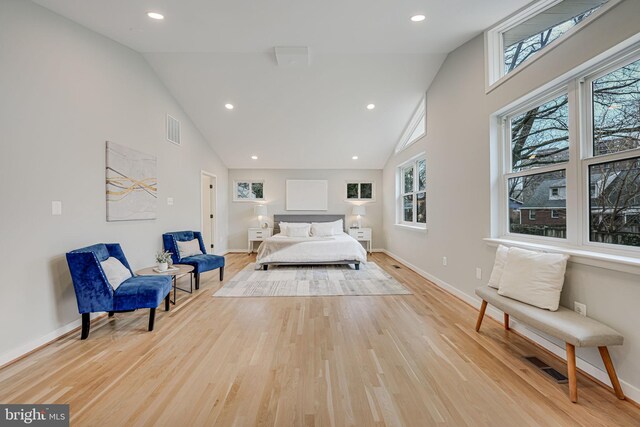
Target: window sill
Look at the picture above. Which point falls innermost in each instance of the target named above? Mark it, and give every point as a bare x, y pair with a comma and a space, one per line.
627, 264
412, 227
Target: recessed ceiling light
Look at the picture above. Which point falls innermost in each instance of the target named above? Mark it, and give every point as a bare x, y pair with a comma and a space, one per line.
228, 106
254, 157
371, 106
418, 18
155, 15
354, 158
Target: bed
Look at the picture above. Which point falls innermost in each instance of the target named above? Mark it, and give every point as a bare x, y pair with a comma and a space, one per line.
283, 250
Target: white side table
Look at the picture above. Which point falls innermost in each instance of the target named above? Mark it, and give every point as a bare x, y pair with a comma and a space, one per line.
258, 235
362, 235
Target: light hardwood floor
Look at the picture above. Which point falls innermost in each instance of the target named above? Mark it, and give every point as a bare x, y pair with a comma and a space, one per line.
410, 360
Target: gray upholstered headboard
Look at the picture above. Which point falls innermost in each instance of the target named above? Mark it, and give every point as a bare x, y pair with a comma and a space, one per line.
305, 218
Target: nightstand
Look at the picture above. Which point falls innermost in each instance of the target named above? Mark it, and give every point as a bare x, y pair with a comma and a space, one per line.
362, 235
258, 235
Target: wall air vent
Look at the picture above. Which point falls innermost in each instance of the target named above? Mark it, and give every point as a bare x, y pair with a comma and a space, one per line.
173, 130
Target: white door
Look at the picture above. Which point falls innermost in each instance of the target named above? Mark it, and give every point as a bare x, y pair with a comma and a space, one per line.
208, 214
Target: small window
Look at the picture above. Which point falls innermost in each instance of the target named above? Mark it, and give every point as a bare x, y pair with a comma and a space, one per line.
558, 193
555, 214
360, 191
519, 38
248, 191
413, 193
532, 214
416, 128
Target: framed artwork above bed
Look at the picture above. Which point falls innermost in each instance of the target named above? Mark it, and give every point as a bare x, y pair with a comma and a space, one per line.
307, 195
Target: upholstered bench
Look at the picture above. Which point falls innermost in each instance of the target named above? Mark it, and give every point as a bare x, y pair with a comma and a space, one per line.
574, 329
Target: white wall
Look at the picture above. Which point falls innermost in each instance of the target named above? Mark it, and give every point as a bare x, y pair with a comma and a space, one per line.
64, 91
241, 214
458, 168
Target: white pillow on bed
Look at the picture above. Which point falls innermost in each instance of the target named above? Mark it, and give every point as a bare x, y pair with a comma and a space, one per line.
283, 226
325, 229
297, 230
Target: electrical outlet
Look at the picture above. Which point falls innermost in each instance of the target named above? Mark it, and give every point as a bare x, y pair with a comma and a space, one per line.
170, 201
444, 260
580, 308
478, 273
56, 207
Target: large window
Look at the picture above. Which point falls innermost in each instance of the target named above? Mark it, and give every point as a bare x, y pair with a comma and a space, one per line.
519, 38
578, 184
413, 193
538, 140
614, 167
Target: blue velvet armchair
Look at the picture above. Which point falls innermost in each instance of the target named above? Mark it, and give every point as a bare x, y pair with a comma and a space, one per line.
95, 294
200, 263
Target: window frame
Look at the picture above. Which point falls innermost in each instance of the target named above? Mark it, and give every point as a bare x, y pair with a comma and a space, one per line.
494, 46
359, 199
413, 163
419, 114
250, 182
505, 137
578, 189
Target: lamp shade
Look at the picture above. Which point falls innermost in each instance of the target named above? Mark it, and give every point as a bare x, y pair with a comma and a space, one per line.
261, 210
359, 210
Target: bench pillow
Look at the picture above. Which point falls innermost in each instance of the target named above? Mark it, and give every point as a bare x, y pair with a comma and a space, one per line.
115, 271
534, 278
498, 266
188, 248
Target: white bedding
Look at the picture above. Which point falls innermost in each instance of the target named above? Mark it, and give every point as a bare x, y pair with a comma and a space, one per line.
279, 248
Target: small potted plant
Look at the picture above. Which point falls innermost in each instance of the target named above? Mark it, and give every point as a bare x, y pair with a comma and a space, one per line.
163, 258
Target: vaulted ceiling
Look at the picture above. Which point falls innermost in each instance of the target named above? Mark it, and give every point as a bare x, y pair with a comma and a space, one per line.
213, 52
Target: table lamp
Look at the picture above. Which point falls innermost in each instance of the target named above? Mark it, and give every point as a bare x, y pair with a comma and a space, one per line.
261, 211
359, 211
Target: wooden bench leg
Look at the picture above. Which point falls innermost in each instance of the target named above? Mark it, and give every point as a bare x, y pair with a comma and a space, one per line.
604, 353
86, 325
483, 308
152, 318
506, 322
571, 371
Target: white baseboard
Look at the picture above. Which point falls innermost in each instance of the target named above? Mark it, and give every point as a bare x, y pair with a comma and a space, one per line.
24, 349
631, 391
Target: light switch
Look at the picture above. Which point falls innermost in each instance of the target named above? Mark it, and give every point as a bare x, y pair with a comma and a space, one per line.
56, 207
170, 201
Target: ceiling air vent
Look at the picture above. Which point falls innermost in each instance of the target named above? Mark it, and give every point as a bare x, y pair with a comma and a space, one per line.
173, 130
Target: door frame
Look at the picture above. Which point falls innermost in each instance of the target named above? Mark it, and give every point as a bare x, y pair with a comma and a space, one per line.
204, 173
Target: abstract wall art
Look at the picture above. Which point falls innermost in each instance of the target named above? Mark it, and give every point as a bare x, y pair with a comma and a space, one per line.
132, 184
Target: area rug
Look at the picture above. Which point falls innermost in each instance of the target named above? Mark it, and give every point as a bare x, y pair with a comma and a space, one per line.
311, 280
